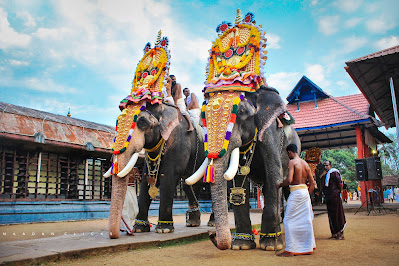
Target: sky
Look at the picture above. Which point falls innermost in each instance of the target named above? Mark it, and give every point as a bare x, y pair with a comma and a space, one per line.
82, 54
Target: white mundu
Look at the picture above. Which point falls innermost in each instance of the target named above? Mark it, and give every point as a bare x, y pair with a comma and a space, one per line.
298, 225
130, 210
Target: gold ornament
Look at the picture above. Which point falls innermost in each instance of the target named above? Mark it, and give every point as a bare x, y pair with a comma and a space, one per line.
153, 191
237, 196
245, 170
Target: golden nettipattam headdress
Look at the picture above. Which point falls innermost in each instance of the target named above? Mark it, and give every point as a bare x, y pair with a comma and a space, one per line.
237, 56
148, 83
149, 80
235, 66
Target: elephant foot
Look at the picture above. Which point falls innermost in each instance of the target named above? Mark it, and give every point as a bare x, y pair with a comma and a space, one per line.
268, 241
193, 217
243, 241
141, 226
211, 222
164, 227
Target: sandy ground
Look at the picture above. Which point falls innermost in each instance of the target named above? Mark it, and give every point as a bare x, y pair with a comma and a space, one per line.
369, 240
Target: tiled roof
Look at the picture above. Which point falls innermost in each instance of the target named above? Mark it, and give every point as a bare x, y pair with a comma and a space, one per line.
388, 51
23, 123
329, 111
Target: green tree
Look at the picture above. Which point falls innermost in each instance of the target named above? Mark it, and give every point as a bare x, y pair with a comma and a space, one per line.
389, 153
344, 161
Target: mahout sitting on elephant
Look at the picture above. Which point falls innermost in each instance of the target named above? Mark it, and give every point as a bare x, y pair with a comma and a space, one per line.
241, 116
171, 151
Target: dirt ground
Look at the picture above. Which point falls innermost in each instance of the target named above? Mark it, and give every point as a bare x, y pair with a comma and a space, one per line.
369, 240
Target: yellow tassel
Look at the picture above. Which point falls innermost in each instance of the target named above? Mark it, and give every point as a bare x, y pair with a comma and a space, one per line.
209, 176
115, 166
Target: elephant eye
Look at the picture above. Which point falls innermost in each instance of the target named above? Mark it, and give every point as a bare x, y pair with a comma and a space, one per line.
143, 123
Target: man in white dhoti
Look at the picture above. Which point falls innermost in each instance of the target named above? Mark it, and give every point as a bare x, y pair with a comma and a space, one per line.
173, 95
298, 220
130, 206
192, 103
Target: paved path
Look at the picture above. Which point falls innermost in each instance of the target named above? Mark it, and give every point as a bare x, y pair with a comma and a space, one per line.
54, 241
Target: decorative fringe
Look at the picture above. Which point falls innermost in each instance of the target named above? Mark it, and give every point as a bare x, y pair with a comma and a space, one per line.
115, 167
209, 176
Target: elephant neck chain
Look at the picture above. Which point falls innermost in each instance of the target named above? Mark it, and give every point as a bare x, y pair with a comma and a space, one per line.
153, 170
237, 195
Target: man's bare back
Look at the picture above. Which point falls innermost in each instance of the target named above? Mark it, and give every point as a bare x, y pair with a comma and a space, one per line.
301, 171
298, 172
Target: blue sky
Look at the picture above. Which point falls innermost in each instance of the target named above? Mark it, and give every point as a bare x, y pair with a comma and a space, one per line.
82, 55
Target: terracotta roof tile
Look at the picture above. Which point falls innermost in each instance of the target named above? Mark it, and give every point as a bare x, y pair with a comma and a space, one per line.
329, 111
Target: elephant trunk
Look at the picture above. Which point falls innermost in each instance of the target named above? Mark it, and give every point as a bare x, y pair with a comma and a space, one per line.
222, 240
119, 187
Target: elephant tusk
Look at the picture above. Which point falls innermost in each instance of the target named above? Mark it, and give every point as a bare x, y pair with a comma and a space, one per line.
129, 165
233, 166
108, 173
194, 178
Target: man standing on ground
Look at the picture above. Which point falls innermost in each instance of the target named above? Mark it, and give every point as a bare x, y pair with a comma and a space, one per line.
192, 106
299, 236
175, 97
333, 187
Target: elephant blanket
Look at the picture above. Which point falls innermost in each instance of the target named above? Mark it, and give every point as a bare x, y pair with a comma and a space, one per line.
299, 236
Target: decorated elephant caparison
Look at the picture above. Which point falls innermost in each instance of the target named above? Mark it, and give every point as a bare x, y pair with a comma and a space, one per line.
171, 151
240, 115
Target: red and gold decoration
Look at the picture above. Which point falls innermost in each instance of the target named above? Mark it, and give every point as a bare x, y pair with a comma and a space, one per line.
313, 157
148, 83
149, 80
237, 56
235, 66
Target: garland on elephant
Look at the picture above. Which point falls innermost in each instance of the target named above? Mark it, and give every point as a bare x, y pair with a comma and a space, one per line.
235, 67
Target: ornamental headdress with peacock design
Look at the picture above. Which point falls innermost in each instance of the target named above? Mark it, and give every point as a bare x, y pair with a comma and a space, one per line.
235, 66
148, 84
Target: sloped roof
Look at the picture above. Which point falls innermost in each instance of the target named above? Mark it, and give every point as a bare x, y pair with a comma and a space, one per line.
371, 74
21, 124
328, 122
329, 111
305, 90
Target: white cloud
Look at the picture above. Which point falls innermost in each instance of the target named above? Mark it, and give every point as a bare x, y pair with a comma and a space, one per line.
329, 25
379, 25
273, 41
350, 23
284, 82
17, 62
387, 42
27, 17
352, 43
9, 38
57, 34
46, 85
348, 5
316, 73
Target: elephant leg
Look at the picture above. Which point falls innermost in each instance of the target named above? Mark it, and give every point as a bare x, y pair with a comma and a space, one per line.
271, 221
167, 192
193, 214
142, 224
244, 238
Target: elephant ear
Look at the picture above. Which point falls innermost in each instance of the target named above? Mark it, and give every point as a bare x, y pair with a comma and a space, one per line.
269, 107
168, 121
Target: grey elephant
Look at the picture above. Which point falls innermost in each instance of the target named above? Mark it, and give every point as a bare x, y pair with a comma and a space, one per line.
171, 151
238, 104
178, 154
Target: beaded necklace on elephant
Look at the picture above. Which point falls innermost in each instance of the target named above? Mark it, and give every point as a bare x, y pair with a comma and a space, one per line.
153, 173
237, 194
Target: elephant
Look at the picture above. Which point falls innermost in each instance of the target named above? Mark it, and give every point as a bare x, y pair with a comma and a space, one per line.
259, 110
160, 130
